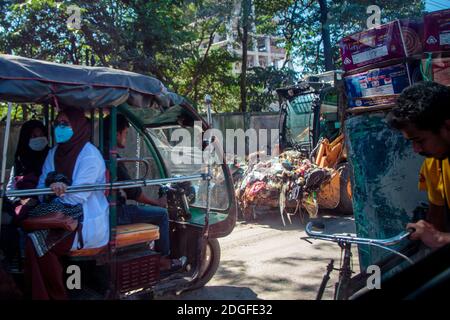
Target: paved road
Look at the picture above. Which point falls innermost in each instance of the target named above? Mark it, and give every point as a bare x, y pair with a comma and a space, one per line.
265, 260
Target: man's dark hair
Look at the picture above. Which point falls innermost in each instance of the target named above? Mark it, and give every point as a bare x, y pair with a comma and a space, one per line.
424, 104
122, 124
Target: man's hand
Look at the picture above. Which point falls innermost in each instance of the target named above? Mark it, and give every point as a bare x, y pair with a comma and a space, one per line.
428, 234
58, 188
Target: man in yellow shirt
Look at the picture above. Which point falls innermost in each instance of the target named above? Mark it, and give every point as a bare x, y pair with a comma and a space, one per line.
422, 114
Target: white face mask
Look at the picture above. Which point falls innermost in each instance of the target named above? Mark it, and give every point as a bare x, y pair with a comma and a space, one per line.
38, 144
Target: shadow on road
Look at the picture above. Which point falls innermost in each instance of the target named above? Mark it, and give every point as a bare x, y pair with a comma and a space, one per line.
273, 220
333, 224
216, 293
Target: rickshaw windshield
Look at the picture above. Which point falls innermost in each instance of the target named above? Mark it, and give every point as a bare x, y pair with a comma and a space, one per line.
183, 158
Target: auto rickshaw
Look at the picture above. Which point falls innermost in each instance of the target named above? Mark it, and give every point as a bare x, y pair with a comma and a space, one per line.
201, 202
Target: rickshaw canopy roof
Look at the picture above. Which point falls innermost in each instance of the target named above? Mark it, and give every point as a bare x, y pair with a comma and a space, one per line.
25, 80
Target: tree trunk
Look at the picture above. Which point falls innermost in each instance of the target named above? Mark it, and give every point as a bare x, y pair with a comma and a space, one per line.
326, 38
245, 26
24, 112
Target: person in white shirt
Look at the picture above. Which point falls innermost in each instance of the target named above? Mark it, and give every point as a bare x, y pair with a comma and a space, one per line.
82, 163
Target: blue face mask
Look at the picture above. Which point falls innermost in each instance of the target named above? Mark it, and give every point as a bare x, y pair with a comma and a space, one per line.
63, 134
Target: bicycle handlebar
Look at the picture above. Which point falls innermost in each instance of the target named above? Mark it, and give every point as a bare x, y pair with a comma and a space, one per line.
381, 243
350, 239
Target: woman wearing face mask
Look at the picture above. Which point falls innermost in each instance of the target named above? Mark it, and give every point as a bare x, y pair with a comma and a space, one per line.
79, 163
32, 149
30, 155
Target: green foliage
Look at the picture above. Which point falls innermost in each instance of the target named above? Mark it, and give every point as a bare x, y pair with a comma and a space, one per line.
298, 22
161, 38
262, 83
171, 39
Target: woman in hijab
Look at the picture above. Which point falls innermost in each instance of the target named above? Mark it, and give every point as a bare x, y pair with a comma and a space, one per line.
32, 148
75, 161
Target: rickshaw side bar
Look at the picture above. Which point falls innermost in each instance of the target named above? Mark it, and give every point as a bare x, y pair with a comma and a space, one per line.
113, 170
101, 187
52, 119
92, 125
112, 201
5, 153
100, 129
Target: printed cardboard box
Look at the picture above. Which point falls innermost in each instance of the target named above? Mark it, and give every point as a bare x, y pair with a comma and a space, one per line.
437, 31
382, 44
440, 70
377, 86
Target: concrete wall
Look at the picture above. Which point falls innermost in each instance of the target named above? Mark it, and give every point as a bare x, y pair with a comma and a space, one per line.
221, 121
257, 121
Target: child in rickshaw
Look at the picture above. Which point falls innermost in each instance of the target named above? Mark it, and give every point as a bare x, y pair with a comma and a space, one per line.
155, 212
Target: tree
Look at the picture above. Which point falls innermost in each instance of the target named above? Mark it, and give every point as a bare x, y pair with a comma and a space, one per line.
243, 30
161, 38
311, 29
262, 83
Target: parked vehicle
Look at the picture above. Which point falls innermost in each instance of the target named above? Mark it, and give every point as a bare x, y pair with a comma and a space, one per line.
310, 122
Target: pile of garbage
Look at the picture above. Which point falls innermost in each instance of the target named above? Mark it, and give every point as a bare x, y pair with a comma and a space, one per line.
261, 183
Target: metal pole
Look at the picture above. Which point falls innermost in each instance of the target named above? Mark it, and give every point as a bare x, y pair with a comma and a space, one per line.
52, 119
208, 101
205, 232
5, 153
113, 202
209, 176
113, 171
138, 154
98, 187
100, 131
92, 113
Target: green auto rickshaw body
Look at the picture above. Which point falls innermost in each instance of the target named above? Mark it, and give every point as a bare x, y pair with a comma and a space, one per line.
148, 105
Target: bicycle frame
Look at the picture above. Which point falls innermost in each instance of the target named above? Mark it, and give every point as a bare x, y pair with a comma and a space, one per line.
345, 242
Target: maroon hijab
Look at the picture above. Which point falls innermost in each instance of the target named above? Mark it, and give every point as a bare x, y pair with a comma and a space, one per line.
67, 153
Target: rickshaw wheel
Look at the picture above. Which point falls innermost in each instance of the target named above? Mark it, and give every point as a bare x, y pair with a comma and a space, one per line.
209, 264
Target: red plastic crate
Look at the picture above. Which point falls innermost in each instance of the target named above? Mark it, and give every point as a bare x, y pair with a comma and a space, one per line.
137, 271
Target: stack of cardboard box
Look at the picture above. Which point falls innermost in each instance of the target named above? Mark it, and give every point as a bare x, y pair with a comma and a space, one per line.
437, 41
380, 62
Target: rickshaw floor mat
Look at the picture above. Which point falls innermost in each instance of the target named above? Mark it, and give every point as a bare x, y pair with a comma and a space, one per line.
127, 235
